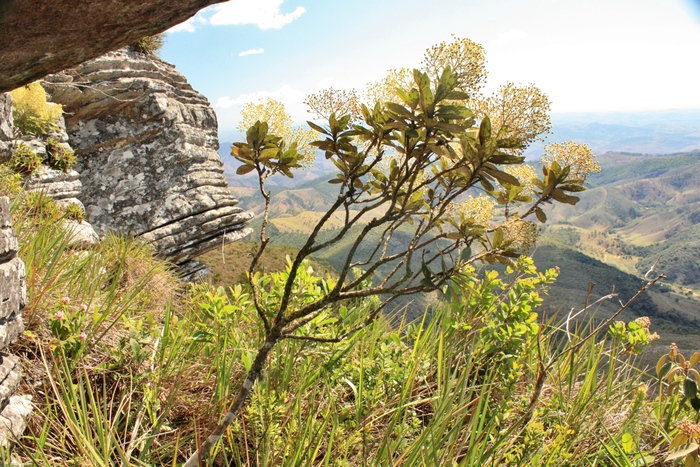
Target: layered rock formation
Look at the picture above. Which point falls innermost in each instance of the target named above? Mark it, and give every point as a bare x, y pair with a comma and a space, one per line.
14, 409
38, 37
147, 145
6, 130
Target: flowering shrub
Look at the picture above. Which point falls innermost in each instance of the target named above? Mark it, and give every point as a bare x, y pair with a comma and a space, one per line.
32, 114
67, 327
635, 336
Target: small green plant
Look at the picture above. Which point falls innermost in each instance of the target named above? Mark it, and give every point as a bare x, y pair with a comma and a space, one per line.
501, 310
39, 206
31, 112
60, 157
635, 335
68, 328
686, 443
149, 45
74, 212
24, 160
10, 181
678, 399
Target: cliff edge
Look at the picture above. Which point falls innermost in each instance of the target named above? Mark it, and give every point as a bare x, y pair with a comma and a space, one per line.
146, 144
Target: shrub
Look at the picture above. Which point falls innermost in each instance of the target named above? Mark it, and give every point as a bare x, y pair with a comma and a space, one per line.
24, 160
149, 45
74, 212
60, 157
10, 181
39, 206
32, 114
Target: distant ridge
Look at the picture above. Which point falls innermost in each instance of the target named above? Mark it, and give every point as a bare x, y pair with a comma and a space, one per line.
661, 132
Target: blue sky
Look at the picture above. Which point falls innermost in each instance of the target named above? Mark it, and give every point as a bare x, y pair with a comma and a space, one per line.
588, 56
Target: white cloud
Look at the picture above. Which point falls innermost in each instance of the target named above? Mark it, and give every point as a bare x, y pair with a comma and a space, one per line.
285, 94
190, 25
251, 52
228, 109
265, 14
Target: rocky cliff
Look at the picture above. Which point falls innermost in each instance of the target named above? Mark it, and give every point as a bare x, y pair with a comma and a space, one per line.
147, 145
14, 409
38, 37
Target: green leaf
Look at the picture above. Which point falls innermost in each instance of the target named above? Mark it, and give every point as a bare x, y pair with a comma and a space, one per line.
510, 143
244, 169
247, 362
450, 127
562, 197
485, 130
497, 237
268, 154
541, 216
486, 184
694, 359
628, 443
458, 96
465, 255
663, 371
427, 273
504, 177
286, 171
690, 388
506, 159
427, 100
400, 110
683, 451
679, 440
454, 112
695, 402
572, 187
318, 128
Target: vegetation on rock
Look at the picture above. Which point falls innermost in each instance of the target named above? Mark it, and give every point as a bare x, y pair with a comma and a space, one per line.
149, 45
32, 114
60, 156
24, 160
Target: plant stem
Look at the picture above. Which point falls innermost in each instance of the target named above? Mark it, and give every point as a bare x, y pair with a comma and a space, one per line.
202, 453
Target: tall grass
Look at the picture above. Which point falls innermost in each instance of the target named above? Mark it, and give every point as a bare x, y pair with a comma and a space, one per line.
143, 367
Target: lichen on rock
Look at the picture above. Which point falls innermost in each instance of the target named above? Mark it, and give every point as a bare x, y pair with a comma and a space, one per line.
14, 409
146, 144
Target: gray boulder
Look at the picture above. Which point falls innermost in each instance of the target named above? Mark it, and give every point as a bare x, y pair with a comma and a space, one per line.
147, 145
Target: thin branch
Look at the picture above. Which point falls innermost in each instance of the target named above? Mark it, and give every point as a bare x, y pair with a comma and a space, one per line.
610, 320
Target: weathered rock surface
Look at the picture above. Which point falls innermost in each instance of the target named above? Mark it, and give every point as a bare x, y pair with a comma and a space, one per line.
55, 183
6, 128
38, 37
147, 145
82, 235
13, 418
14, 409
